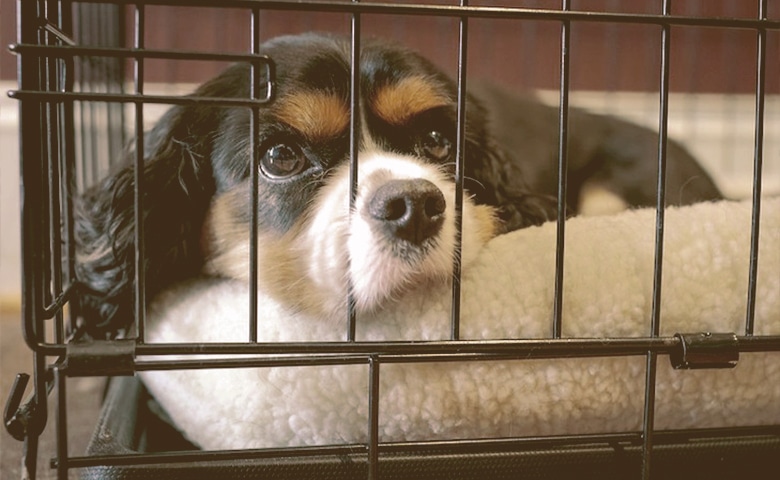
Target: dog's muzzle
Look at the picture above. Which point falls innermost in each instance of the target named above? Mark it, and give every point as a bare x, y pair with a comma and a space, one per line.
410, 209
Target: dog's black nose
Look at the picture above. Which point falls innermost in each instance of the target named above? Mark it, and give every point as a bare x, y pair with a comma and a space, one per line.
412, 210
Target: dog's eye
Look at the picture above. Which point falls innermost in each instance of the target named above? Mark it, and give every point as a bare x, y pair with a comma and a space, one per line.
282, 161
436, 145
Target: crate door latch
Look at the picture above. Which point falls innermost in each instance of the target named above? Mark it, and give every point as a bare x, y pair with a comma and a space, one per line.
705, 350
101, 358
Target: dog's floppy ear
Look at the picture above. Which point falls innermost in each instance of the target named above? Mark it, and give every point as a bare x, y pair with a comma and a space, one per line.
517, 208
527, 210
488, 175
176, 187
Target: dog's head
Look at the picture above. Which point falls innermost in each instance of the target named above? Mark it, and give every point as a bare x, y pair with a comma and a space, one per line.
311, 248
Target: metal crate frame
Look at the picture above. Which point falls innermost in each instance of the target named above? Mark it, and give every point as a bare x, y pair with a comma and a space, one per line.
46, 55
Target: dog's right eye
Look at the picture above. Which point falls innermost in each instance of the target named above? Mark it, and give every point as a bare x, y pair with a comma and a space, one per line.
283, 161
436, 145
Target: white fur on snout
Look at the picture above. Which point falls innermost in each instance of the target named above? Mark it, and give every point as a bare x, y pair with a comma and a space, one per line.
376, 270
343, 248
311, 266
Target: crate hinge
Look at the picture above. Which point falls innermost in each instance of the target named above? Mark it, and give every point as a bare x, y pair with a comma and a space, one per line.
100, 358
705, 350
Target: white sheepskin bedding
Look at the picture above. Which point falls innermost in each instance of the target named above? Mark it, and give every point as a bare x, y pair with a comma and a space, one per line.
506, 293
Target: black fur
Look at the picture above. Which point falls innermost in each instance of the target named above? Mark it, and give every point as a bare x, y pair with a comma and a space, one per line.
198, 151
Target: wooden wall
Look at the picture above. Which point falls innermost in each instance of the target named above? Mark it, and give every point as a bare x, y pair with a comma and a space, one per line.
523, 53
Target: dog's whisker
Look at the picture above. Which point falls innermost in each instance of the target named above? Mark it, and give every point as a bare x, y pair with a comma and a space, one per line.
475, 180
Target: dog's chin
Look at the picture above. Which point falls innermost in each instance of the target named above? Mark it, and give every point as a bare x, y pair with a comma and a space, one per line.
331, 252
380, 272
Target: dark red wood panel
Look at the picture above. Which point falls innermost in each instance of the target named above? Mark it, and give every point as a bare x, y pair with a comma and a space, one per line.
520, 52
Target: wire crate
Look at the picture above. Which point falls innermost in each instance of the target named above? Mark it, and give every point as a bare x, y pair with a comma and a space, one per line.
89, 81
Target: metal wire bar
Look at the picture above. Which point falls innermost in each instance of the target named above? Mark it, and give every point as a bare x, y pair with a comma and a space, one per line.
54, 141
140, 264
60, 123
563, 169
354, 148
136, 98
444, 447
520, 348
68, 183
758, 160
254, 140
254, 362
663, 437
61, 425
648, 420
373, 418
58, 220
541, 348
336, 354
460, 159
549, 348
63, 51
213, 455
575, 347
30, 74
66, 295
30, 123
518, 13
93, 80
48, 81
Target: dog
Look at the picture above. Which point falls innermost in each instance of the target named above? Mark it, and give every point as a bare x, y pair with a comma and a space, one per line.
312, 249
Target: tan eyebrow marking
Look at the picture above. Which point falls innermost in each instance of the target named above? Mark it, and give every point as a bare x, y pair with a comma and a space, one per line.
399, 102
317, 116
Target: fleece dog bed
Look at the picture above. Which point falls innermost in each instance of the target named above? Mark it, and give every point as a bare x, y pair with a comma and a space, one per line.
506, 293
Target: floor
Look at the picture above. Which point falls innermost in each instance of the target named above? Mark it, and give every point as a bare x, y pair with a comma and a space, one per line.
83, 402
